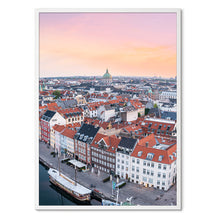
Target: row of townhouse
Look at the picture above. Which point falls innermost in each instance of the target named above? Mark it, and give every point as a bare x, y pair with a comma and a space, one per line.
61, 117
150, 161
62, 139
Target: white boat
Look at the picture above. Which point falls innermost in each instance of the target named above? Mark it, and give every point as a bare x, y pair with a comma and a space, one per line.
73, 188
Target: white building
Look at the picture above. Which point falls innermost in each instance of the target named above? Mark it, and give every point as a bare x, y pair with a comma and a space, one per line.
105, 112
153, 163
129, 113
123, 159
168, 95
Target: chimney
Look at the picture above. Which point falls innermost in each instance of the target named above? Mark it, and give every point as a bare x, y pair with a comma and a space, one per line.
147, 144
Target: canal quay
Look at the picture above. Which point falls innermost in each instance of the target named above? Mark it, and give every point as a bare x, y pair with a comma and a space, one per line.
140, 195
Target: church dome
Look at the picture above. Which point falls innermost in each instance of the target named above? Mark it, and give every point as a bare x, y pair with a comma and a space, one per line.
107, 75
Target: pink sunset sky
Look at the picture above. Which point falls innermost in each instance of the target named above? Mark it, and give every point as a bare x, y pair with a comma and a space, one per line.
128, 44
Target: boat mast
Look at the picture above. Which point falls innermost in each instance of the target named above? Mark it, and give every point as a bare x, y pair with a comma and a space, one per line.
75, 170
58, 162
117, 195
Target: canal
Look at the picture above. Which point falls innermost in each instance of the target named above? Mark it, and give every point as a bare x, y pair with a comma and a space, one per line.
49, 195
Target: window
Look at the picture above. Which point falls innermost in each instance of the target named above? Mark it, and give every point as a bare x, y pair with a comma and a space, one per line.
148, 172
138, 161
163, 183
132, 175
152, 173
152, 164
164, 167
144, 179
133, 168
159, 166
133, 160
144, 163
144, 171
118, 166
137, 176
137, 169
164, 175
148, 164
158, 182
159, 175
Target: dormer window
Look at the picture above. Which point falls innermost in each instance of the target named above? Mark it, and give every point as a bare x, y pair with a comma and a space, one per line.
140, 153
150, 156
160, 158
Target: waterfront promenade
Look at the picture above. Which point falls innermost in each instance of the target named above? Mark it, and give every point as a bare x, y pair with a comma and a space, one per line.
141, 195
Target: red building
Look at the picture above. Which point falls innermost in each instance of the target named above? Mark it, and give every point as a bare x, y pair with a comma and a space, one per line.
103, 150
47, 121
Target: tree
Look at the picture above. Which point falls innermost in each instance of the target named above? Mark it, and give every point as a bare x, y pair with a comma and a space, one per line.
57, 94
155, 105
139, 114
146, 111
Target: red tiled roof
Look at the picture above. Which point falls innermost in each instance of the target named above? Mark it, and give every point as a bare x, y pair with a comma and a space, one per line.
68, 133
58, 128
141, 146
111, 141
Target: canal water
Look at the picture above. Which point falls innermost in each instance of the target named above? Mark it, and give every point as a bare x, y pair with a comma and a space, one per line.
51, 195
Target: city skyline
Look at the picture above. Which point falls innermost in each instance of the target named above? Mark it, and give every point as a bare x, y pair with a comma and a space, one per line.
129, 44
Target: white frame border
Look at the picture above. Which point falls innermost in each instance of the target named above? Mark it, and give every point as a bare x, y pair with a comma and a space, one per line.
179, 112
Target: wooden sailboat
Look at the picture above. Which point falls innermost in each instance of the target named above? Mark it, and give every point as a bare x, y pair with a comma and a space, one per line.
73, 188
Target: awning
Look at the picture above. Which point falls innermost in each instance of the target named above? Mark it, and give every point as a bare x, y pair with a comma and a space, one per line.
77, 163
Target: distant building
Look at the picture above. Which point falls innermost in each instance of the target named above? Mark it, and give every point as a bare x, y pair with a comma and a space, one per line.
168, 115
105, 112
129, 113
72, 103
160, 127
80, 100
107, 78
72, 115
168, 95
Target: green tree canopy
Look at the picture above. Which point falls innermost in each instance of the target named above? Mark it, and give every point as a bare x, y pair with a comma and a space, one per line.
57, 94
155, 105
146, 111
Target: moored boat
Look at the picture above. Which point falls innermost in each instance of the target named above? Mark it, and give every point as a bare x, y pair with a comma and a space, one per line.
73, 188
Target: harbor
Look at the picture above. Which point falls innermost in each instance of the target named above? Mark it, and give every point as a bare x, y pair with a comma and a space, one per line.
103, 190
